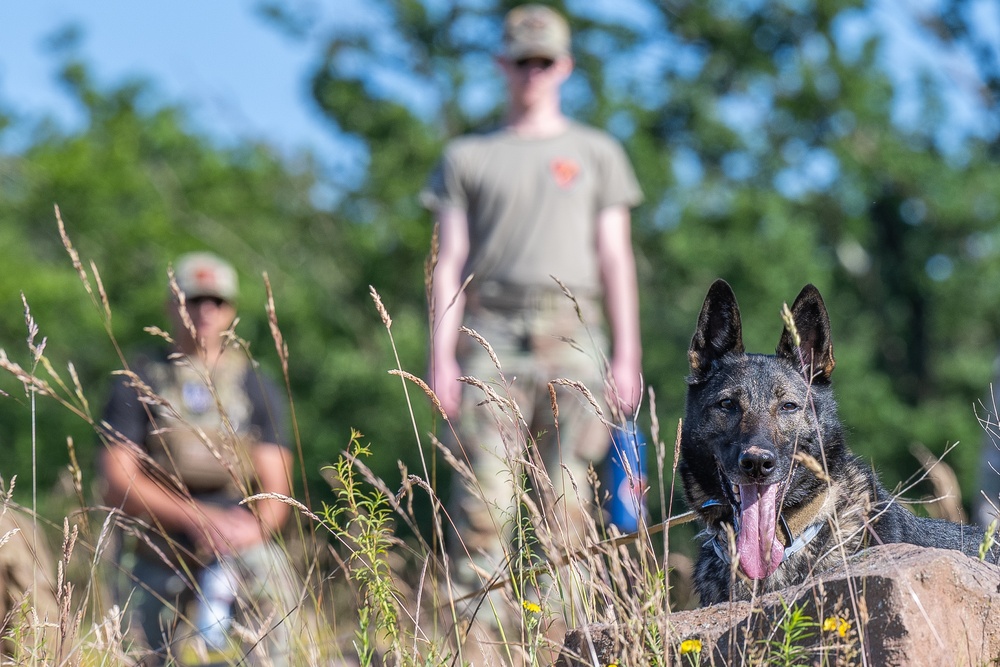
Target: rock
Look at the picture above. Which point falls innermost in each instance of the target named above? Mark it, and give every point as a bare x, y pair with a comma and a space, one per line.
895, 605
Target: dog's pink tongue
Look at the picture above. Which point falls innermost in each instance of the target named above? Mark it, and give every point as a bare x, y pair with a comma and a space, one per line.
760, 552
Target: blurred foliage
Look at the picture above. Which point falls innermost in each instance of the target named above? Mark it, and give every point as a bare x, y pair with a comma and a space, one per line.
764, 141
136, 188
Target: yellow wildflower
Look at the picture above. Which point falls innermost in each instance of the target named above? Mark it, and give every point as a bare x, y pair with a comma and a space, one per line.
690, 646
531, 607
835, 623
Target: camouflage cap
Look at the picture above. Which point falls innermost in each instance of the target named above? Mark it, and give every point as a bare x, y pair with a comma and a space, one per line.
201, 274
535, 31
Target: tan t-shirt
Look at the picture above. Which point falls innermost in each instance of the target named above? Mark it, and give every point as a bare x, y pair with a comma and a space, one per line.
532, 204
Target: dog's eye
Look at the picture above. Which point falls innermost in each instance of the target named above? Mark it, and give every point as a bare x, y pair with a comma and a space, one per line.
727, 404
789, 406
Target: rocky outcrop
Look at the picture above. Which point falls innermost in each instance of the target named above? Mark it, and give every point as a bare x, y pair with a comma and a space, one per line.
893, 605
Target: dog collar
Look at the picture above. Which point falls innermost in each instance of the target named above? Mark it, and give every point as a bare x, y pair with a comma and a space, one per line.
804, 538
804, 518
797, 543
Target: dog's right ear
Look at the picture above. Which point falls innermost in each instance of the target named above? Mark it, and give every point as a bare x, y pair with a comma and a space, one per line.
812, 323
719, 331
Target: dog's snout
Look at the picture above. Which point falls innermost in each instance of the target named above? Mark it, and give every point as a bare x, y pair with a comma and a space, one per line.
757, 463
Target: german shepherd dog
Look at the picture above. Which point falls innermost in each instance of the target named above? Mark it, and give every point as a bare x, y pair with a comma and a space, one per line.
765, 465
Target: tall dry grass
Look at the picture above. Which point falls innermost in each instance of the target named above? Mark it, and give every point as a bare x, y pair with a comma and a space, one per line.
366, 595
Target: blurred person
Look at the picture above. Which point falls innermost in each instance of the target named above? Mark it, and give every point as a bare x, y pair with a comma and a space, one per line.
190, 435
541, 197
29, 611
986, 503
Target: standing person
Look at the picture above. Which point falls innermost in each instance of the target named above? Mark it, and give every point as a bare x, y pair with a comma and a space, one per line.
189, 436
541, 197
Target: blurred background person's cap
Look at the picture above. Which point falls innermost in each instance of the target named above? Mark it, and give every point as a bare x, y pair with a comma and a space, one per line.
203, 274
535, 31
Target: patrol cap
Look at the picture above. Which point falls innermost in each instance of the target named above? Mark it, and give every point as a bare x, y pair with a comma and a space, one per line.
201, 274
535, 31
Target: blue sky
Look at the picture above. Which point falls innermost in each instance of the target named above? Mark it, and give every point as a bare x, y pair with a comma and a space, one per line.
241, 76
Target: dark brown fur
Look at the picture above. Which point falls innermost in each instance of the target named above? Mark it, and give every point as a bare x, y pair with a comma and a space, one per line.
747, 417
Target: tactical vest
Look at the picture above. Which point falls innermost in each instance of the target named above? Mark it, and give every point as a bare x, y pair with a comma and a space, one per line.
203, 434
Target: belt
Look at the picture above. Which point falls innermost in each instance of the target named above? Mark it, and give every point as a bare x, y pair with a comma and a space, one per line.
512, 296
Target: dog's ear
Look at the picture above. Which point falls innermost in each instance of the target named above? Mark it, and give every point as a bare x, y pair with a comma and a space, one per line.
812, 323
719, 331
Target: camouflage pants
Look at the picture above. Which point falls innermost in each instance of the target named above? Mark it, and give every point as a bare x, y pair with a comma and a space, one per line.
267, 594
520, 437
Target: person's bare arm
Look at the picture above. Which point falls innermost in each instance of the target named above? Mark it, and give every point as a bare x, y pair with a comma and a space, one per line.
621, 295
448, 306
214, 528
130, 488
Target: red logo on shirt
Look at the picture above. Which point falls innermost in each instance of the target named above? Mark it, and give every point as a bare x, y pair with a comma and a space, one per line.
564, 171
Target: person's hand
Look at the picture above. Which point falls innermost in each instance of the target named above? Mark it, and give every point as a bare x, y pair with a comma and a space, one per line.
627, 384
225, 530
444, 381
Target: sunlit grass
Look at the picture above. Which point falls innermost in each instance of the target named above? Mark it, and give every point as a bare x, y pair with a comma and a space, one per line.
369, 595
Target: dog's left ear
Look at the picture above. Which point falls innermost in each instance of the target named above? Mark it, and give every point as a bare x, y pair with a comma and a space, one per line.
719, 332
813, 326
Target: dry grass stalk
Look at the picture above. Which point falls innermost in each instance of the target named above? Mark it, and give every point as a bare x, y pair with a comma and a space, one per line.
507, 405
554, 404
292, 502
569, 295
160, 333
423, 386
5, 538
181, 300
430, 264
146, 393
383, 313
229, 339
73, 254
272, 322
454, 299
812, 465
456, 465
31, 382
68, 625
786, 317
582, 388
102, 293
628, 589
36, 350
476, 336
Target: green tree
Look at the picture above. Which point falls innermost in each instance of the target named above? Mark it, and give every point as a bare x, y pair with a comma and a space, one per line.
763, 135
136, 187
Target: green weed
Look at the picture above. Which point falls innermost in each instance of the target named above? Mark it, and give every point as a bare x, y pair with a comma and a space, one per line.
989, 539
377, 595
362, 522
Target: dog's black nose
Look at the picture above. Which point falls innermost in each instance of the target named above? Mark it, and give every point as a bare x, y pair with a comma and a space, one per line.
757, 463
